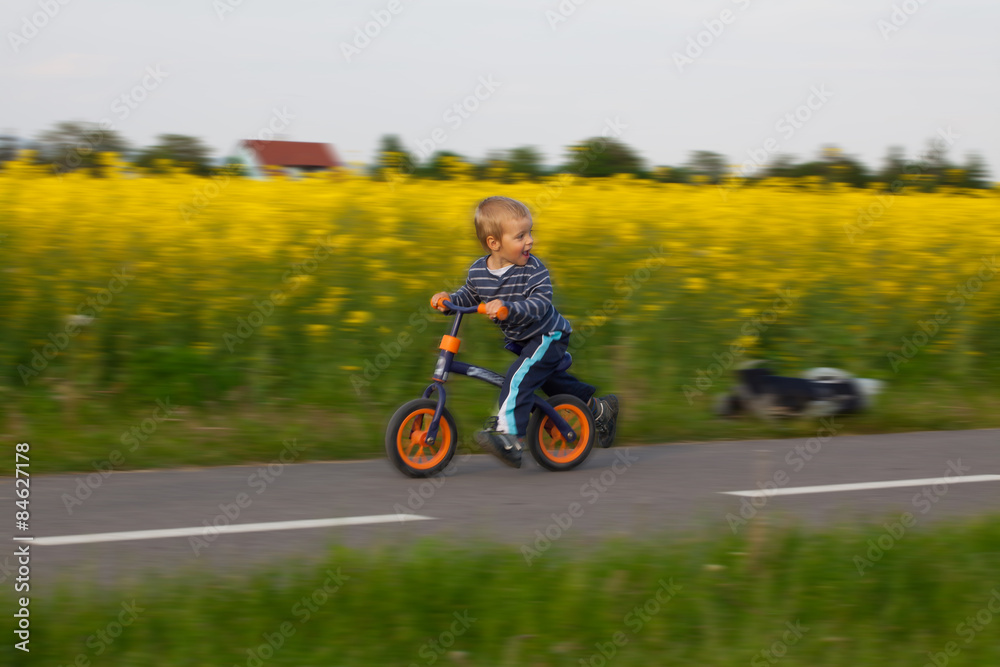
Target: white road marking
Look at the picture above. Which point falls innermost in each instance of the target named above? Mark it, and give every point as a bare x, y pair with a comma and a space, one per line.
203, 531
862, 486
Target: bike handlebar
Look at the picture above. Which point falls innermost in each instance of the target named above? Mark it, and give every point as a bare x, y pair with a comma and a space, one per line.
481, 308
502, 313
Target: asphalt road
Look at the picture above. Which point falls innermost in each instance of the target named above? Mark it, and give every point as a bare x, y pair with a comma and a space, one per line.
623, 491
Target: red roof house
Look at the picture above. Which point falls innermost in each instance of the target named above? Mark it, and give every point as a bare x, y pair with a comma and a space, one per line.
289, 156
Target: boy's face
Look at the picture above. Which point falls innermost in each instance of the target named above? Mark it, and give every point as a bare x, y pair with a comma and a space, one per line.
515, 246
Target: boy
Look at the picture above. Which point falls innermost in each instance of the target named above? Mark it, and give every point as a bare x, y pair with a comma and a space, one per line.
511, 276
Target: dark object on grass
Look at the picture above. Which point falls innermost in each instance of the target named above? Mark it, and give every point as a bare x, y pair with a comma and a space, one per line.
821, 392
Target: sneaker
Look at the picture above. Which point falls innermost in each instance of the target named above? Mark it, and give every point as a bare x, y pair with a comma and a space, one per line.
605, 411
504, 446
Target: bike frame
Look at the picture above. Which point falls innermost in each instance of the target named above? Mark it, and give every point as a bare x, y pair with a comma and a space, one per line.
446, 365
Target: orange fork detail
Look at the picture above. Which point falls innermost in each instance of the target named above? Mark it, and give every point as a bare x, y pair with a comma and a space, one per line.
449, 344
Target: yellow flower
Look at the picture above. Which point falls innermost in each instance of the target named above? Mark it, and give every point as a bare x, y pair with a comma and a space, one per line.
695, 284
357, 317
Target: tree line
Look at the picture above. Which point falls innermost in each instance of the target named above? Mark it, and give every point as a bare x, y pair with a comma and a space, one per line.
602, 157
71, 146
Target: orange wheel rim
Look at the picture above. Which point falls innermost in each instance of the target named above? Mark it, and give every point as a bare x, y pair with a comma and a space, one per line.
554, 445
411, 440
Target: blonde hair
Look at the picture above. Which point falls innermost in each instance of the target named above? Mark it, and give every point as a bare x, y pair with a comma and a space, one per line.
492, 212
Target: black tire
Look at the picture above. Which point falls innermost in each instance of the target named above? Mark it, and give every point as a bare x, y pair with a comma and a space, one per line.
409, 457
551, 451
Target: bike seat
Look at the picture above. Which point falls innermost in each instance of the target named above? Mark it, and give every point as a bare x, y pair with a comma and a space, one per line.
564, 363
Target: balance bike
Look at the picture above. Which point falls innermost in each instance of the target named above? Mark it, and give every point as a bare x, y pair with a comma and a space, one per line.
422, 437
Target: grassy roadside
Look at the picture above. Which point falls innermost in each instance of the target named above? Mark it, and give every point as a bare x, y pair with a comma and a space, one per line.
100, 433
796, 597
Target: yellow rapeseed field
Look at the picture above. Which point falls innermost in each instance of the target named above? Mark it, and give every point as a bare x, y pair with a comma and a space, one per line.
148, 283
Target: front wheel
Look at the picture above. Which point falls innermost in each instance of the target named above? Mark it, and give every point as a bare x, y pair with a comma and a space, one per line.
548, 445
406, 444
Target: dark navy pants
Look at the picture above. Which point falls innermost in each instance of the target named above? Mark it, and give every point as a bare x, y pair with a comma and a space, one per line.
534, 369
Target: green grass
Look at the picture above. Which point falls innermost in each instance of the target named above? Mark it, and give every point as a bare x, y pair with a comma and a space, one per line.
78, 436
723, 600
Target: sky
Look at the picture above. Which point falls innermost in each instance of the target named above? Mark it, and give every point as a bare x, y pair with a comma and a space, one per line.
745, 78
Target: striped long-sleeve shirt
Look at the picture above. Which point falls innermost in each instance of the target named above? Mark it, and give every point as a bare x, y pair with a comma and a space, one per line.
525, 290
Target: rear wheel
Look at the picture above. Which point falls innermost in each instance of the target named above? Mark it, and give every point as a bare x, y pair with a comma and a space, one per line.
546, 442
406, 439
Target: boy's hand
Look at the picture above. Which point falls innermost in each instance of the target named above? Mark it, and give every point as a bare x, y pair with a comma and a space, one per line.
493, 307
437, 299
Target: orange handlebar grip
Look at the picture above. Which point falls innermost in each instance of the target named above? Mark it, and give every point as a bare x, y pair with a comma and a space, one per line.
435, 302
501, 314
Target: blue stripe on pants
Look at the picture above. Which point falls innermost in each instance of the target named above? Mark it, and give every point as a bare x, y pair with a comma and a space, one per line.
518, 384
